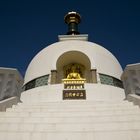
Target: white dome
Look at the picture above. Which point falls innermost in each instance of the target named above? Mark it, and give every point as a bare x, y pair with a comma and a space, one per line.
84, 52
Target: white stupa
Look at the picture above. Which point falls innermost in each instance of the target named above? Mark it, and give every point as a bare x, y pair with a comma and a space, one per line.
94, 63
72, 91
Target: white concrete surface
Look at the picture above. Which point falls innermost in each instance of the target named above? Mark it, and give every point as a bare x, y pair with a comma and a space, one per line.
71, 120
94, 92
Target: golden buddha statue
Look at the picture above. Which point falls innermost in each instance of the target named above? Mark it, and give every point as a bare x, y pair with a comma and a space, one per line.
73, 74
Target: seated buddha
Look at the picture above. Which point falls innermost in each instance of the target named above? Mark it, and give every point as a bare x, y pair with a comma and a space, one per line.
73, 74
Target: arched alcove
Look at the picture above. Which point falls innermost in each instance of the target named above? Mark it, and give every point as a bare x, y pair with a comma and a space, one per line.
73, 57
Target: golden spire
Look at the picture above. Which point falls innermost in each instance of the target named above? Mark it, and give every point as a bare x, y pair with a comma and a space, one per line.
72, 19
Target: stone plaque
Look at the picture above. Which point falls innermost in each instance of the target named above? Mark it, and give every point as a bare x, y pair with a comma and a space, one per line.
74, 94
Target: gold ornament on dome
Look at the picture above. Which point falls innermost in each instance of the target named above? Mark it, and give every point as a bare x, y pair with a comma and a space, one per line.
74, 73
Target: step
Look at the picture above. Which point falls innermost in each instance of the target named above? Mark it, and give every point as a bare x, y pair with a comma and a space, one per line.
87, 119
73, 106
72, 113
49, 109
77, 102
82, 135
34, 110
69, 127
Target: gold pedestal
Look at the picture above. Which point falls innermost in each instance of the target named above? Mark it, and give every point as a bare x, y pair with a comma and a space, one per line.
74, 89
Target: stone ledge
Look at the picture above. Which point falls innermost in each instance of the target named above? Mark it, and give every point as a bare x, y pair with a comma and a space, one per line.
7, 103
83, 37
134, 98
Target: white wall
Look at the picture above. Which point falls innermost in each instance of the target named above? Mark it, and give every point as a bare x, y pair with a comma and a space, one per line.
52, 93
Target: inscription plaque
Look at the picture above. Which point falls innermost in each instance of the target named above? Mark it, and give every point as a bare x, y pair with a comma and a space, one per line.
74, 94
74, 89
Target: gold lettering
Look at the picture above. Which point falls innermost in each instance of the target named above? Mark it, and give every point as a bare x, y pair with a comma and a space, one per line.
66, 95
81, 94
70, 94
74, 94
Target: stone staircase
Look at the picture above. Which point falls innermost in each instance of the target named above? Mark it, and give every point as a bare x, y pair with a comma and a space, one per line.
71, 120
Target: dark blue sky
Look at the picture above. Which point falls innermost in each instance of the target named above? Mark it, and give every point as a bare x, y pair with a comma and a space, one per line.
26, 27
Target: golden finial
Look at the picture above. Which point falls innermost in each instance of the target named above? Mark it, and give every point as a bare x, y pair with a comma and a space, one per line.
72, 19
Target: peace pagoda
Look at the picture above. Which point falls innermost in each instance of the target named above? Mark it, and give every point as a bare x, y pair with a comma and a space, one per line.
72, 91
